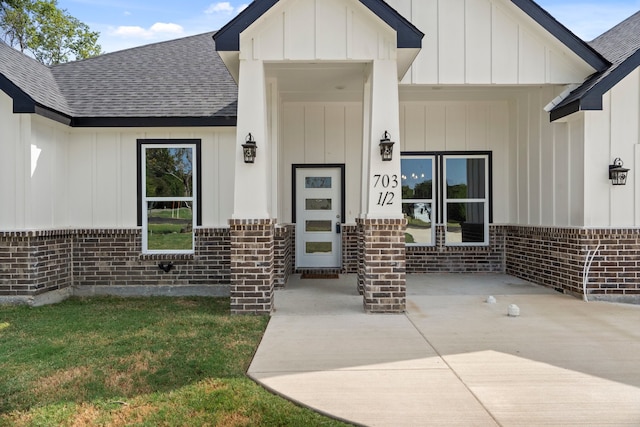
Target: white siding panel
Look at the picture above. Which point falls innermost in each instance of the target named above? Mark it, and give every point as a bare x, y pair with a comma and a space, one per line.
414, 137
319, 133
107, 172
10, 163
532, 59
331, 29
335, 133
456, 132
314, 129
503, 172
477, 119
523, 161
478, 41
576, 167
562, 174
535, 164
451, 41
425, 67
547, 159
436, 132
81, 157
504, 47
300, 31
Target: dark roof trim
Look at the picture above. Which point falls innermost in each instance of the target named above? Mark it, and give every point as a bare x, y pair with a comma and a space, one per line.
592, 98
409, 37
24, 104
573, 42
153, 121
228, 37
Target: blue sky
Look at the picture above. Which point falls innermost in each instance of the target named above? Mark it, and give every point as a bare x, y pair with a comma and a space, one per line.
128, 23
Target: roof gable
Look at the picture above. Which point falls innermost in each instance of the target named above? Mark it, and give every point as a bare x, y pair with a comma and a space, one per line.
228, 37
621, 46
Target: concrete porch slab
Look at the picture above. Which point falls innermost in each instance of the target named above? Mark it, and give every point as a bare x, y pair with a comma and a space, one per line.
454, 359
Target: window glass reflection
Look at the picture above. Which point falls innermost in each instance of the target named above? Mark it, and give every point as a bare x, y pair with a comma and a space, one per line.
465, 223
417, 178
169, 172
170, 225
465, 178
418, 216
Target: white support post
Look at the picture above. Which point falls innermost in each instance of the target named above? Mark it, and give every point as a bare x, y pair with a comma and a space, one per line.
252, 181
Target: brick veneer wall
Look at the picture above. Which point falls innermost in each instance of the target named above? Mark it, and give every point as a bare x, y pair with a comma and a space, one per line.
252, 265
349, 249
556, 257
283, 254
458, 259
113, 257
34, 262
381, 269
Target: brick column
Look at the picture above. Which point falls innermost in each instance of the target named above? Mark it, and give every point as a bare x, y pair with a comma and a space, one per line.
382, 269
252, 265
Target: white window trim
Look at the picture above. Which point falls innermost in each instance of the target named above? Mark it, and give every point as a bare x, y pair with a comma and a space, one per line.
146, 200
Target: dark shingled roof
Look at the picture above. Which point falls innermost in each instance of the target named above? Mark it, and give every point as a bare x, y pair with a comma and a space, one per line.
33, 80
621, 46
173, 83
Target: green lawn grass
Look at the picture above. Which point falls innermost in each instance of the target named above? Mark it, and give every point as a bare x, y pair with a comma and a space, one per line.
137, 361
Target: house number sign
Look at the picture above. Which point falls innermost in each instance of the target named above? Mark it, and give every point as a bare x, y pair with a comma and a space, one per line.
384, 183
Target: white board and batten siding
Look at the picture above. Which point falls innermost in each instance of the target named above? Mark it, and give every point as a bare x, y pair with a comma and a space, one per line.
321, 133
318, 30
15, 161
57, 177
611, 133
537, 165
485, 42
102, 183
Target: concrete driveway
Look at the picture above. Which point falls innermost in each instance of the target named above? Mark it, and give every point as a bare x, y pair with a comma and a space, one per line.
453, 358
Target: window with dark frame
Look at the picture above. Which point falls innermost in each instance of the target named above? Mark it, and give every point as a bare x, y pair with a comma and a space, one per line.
168, 193
448, 188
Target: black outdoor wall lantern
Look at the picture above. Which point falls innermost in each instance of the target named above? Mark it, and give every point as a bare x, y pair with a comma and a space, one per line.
618, 174
249, 149
386, 147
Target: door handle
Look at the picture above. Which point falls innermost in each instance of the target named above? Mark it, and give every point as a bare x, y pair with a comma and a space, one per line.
338, 227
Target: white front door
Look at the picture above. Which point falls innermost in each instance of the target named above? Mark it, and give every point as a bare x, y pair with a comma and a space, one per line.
318, 217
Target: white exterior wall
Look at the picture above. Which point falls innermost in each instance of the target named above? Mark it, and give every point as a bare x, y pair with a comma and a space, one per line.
103, 174
14, 162
55, 177
611, 133
485, 42
322, 133
537, 165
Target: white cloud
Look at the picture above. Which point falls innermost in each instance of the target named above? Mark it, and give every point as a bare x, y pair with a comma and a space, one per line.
158, 30
224, 7
127, 13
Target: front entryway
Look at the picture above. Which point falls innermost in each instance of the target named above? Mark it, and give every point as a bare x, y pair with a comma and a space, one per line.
318, 215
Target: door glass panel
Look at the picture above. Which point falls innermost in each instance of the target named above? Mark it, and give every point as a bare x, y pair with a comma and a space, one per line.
418, 216
318, 226
318, 204
465, 178
318, 247
465, 222
170, 225
317, 182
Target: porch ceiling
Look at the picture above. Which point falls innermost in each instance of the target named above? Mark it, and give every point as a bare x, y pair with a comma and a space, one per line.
318, 81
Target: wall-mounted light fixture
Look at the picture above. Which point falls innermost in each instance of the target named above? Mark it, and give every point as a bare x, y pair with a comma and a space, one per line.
386, 147
618, 174
249, 149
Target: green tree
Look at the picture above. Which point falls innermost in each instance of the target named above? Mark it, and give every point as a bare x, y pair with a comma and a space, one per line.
45, 31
